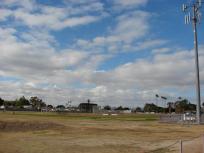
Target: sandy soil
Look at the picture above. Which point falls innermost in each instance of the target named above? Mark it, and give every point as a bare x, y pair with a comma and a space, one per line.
28, 134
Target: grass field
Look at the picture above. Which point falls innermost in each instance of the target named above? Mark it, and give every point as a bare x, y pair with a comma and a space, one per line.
25, 132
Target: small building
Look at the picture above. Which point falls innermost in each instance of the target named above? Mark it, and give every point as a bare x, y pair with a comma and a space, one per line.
2, 107
88, 107
126, 111
28, 107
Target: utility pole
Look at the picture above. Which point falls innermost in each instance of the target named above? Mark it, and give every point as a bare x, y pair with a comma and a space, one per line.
195, 18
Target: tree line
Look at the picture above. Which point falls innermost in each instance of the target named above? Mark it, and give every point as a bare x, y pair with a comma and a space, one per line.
21, 102
179, 106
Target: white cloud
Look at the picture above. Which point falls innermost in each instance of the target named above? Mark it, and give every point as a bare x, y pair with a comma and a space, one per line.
34, 64
128, 4
4, 13
26, 4
142, 79
161, 50
150, 44
55, 21
129, 84
132, 26
34, 58
32, 14
69, 58
75, 21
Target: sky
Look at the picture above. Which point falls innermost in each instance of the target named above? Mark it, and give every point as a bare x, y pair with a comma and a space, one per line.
113, 52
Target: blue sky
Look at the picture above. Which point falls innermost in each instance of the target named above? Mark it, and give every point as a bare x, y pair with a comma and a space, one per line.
117, 52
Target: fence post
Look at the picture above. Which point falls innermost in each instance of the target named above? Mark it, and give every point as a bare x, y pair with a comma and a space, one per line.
181, 146
203, 142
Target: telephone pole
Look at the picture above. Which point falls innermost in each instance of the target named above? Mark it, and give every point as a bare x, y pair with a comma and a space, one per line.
195, 18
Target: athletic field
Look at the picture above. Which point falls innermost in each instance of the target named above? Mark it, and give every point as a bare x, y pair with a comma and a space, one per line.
24, 132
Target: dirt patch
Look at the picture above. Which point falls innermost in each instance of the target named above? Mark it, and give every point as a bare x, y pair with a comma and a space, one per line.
18, 126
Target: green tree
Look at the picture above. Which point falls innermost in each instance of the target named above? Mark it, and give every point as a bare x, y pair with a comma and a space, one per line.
60, 107
37, 103
170, 107
107, 107
21, 102
138, 109
1, 101
122, 108
184, 105
150, 108
119, 108
153, 108
49, 106
9, 103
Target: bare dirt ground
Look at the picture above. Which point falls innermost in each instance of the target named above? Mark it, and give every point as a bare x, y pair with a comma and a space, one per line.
27, 133
22, 126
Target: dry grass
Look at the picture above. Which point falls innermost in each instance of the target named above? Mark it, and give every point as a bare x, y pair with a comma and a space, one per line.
53, 133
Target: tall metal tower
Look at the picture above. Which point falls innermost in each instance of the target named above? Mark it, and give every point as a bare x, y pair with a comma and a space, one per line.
194, 16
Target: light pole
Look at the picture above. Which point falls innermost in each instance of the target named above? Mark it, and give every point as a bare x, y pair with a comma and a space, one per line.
195, 18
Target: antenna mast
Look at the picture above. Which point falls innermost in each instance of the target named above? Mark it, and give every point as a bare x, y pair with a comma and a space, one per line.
195, 18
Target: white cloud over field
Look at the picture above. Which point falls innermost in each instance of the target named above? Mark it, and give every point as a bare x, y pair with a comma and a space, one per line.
32, 63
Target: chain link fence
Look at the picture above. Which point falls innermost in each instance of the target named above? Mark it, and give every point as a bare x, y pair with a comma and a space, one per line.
180, 118
191, 145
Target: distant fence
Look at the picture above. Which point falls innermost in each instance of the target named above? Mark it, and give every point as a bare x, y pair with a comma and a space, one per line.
192, 145
171, 118
180, 118
202, 118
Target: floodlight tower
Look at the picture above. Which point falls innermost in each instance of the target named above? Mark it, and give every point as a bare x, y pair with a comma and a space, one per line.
194, 16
